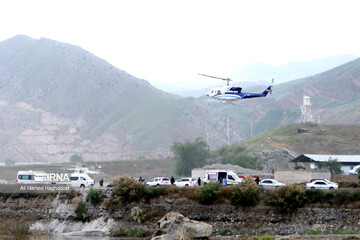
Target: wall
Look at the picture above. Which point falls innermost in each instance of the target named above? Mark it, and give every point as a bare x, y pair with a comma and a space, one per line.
340, 178
198, 173
300, 176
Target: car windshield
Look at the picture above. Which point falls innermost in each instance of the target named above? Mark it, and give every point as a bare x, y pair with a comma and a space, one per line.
320, 179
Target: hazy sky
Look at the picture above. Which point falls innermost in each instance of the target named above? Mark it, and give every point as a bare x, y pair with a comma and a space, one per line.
172, 41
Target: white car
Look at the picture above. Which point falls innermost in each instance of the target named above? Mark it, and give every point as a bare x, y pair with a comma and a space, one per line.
322, 184
271, 183
186, 182
355, 170
159, 181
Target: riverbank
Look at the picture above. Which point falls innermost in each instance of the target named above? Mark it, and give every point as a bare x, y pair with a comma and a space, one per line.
55, 214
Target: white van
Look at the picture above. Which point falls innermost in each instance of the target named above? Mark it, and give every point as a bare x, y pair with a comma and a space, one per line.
219, 175
355, 170
32, 177
81, 180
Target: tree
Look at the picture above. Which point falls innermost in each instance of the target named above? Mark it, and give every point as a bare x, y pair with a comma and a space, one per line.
9, 162
334, 166
235, 154
190, 155
76, 158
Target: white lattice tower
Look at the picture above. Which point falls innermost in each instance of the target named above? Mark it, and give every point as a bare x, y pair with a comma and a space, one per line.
306, 115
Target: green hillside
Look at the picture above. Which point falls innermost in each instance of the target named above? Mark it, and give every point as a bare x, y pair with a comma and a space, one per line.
320, 139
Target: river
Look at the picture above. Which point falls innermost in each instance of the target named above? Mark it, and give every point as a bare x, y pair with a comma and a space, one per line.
61, 237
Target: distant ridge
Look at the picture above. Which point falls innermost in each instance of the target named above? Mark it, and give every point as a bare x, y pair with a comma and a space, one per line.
292, 70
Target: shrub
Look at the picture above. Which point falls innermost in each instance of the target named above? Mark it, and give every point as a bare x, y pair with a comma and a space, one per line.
340, 197
287, 199
245, 195
155, 214
127, 189
314, 195
150, 192
129, 232
76, 158
268, 237
138, 215
226, 193
81, 213
69, 195
208, 193
95, 196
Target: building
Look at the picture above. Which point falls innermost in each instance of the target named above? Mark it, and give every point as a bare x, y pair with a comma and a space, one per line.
316, 161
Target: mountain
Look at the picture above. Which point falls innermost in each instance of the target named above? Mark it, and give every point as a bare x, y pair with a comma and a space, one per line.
334, 96
57, 100
291, 71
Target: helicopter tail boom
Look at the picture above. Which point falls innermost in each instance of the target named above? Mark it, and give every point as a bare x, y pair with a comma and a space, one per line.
268, 90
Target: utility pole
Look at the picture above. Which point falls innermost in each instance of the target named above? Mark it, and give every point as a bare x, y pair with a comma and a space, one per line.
227, 131
251, 127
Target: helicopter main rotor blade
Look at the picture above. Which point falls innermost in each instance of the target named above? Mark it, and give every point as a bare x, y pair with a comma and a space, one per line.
225, 79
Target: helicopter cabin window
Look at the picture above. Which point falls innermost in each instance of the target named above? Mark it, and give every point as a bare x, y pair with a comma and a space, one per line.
218, 91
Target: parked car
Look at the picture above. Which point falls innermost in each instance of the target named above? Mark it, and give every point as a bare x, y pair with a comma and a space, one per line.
324, 179
186, 182
355, 170
270, 183
322, 184
159, 181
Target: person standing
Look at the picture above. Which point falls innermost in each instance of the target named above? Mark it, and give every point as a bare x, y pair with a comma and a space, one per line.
257, 180
224, 182
172, 180
199, 181
101, 182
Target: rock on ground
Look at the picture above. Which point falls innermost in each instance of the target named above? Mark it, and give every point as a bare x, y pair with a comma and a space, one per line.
176, 226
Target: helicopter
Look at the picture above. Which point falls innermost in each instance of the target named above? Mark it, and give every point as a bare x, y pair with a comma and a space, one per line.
229, 93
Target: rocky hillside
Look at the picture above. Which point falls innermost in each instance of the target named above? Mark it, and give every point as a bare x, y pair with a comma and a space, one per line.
58, 100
